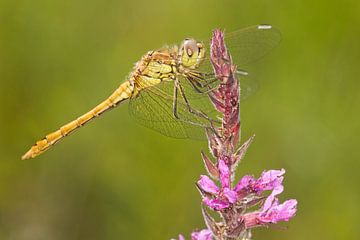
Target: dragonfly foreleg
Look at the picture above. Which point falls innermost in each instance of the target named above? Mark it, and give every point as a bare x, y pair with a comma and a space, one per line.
195, 86
198, 85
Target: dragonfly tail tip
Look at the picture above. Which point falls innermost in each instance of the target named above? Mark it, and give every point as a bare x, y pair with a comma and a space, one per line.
27, 155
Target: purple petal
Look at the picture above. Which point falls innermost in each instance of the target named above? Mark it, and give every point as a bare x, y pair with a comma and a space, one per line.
279, 212
216, 204
207, 185
270, 199
250, 219
269, 180
205, 234
246, 182
181, 237
224, 173
230, 195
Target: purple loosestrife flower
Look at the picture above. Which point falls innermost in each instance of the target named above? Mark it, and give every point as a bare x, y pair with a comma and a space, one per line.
236, 203
221, 198
205, 234
278, 212
268, 181
272, 211
215, 197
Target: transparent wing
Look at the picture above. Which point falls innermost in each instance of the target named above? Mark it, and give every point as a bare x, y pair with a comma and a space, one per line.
248, 84
248, 45
153, 108
251, 44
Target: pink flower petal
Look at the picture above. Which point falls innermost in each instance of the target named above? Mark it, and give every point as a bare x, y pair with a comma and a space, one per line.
246, 182
224, 173
269, 180
216, 204
205, 234
270, 199
279, 212
207, 185
230, 195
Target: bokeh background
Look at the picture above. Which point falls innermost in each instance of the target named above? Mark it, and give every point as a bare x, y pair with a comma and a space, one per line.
115, 179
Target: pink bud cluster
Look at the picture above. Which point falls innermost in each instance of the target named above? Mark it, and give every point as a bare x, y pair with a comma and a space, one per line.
235, 202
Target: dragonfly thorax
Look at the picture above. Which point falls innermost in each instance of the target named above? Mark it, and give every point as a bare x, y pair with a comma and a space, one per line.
154, 68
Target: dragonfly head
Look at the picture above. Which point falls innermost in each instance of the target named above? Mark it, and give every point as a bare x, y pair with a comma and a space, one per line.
191, 53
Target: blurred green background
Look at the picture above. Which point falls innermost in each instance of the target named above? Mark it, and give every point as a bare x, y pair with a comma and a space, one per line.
115, 179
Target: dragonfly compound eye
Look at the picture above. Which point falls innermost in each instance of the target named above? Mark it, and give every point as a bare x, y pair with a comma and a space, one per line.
191, 52
190, 47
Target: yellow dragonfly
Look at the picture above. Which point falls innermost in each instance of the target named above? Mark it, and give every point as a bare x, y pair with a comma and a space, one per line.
167, 86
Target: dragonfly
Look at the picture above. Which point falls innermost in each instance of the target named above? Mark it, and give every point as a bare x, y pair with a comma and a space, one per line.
167, 89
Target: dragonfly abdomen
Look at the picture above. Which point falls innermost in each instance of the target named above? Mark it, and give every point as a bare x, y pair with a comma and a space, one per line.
123, 92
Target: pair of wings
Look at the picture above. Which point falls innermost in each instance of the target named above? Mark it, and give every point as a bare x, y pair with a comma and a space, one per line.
153, 106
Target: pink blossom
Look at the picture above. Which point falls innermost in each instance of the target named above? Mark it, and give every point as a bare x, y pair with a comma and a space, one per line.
205, 234
269, 180
207, 185
273, 212
278, 212
224, 173
181, 237
230, 195
216, 204
222, 200
269, 200
245, 182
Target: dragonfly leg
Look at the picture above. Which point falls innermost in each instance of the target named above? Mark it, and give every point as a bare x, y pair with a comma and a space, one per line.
197, 85
175, 113
194, 85
199, 81
175, 101
192, 110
